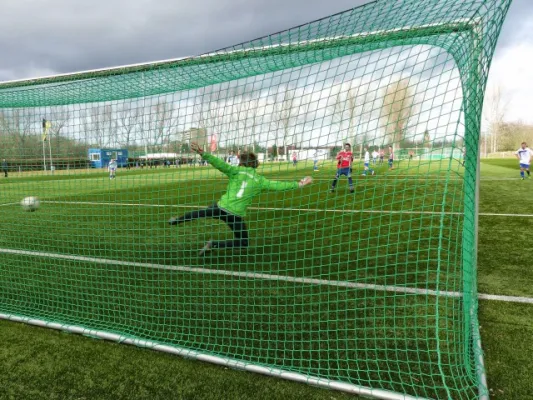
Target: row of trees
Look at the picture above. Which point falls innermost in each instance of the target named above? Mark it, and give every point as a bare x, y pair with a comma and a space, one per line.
240, 119
287, 116
502, 135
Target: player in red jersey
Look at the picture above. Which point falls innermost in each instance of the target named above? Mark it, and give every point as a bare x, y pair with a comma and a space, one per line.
344, 166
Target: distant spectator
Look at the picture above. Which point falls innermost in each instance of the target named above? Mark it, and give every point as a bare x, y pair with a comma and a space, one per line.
4, 167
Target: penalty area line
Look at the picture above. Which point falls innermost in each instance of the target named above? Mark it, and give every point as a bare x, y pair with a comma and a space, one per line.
263, 276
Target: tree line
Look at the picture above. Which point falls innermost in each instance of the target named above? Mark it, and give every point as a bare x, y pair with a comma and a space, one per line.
239, 117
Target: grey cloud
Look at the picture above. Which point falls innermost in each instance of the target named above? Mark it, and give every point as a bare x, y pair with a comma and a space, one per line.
66, 36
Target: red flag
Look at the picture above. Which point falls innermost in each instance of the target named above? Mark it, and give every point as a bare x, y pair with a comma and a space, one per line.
213, 144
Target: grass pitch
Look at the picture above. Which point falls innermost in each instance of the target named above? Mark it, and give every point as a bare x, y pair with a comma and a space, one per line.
304, 234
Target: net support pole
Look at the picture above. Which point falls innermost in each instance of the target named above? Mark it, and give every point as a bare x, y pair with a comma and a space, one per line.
476, 334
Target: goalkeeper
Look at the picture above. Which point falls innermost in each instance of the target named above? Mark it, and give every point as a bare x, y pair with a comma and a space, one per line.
244, 184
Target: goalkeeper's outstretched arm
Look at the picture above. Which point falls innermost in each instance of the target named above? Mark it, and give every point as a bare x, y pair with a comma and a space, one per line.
282, 186
214, 161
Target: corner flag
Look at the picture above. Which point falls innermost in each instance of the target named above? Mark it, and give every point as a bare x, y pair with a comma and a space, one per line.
46, 127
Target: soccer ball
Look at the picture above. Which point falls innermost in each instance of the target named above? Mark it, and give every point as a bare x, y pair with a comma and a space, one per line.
30, 203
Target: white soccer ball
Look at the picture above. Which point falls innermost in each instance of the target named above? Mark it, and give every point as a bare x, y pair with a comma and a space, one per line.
30, 203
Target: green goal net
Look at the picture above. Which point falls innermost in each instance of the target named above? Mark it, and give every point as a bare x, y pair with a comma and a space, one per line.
362, 281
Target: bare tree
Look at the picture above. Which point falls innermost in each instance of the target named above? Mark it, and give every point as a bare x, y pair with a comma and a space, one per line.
255, 118
248, 116
128, 118
303, 118
162, 123
396, 110
336, 110
26, 129
87, 133
495, 109
284, 115
209, 114
59, 117
512, 134
100, 125
347, 112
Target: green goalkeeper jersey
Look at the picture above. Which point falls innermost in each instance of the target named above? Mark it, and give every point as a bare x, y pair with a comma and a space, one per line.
244, 184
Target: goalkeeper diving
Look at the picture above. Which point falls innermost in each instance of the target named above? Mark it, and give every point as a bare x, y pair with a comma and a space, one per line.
244, 184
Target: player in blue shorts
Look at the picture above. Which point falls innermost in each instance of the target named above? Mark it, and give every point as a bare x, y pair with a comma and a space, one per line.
344, 165
523, 154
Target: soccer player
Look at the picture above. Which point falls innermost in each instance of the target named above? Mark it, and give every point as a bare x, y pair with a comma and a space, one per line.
391, 158
112, 168
315, 160
4, 167
344, 165
367, 163
375, 156
294, 159
233, 160
244, 184
523, 154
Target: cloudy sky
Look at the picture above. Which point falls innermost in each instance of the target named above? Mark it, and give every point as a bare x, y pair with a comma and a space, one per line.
47, 37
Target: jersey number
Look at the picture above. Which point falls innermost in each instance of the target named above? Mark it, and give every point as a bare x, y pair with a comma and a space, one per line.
241, 191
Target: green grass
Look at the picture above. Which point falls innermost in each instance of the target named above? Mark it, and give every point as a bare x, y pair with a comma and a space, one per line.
308, 328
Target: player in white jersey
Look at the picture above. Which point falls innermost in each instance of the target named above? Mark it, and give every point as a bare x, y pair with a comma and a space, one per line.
233, 159
112, 168
523, 154
367, 163
375, 156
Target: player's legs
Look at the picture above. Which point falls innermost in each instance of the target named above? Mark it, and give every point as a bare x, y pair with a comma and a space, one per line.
334, 183
350, 183
368, 170
523, 169
209, 212
346, 172
238, 227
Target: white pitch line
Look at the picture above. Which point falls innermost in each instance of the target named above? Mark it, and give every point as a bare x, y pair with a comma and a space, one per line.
355, 211
508, 299
262, 276
256, 208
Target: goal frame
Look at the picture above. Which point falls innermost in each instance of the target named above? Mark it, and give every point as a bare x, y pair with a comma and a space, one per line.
368, 41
